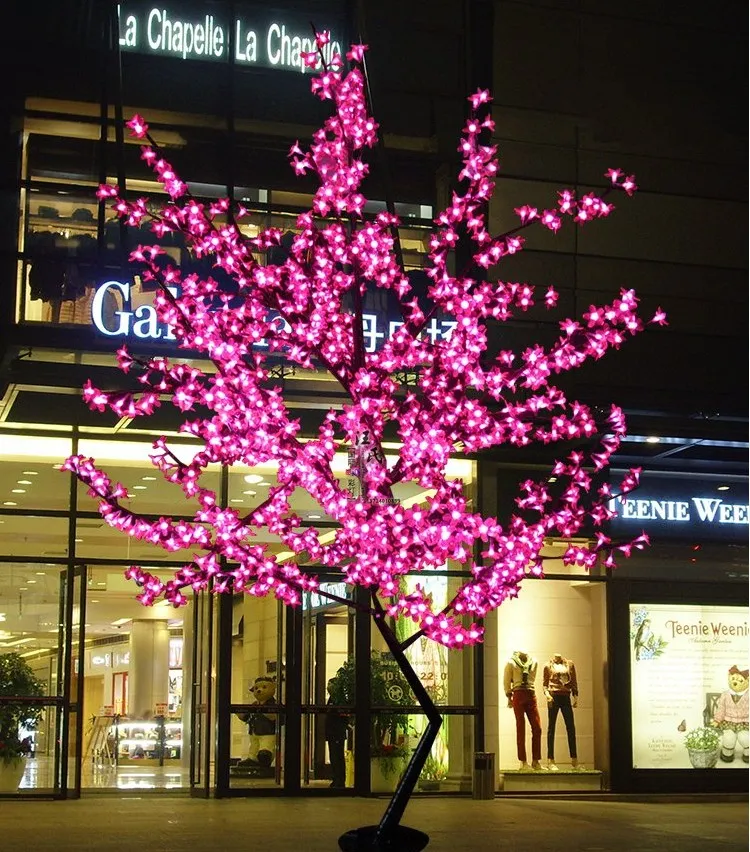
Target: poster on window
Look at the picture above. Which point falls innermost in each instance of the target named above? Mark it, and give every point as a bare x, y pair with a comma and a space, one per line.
689, 686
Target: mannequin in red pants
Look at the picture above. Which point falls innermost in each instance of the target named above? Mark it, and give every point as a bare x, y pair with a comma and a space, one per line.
518, 682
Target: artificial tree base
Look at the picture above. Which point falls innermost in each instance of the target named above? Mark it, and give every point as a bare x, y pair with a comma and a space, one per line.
400, 839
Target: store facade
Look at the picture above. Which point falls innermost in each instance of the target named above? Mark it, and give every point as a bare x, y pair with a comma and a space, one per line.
140, 698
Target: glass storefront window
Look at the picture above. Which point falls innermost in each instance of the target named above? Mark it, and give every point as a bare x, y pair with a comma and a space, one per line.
551, 620
31, 475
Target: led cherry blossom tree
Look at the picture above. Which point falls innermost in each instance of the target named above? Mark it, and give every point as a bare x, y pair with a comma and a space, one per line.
462, 401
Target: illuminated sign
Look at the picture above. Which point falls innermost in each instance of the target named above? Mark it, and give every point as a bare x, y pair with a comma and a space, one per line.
143, 323
711, 510
258, 37
681, 662
678, 507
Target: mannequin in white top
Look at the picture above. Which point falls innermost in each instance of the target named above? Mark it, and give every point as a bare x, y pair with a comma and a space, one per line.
518, 683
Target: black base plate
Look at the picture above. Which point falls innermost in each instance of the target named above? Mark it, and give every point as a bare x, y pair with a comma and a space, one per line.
401, 839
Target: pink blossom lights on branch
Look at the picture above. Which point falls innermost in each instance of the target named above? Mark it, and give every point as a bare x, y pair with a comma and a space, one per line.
463, 401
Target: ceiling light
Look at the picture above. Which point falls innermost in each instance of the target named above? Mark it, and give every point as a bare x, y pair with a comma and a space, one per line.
149, 478
723, 488
314, 517
17, 490
253, 479
264, 482
78, 540
31, 581
140, 487
93, 601
250, 493
9, 503
24, 482
30, 472
652, 439
41, 573
236, 500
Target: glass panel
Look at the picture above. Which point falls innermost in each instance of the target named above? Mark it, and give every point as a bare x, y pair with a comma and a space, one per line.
31, 475
258, 678
204, 638
328, 724
128, 462
33, 536
72, 729
552, 618
29, 640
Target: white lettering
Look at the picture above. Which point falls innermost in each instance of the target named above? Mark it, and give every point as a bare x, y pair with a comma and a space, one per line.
274, 56
130, 39
147, 326
154, 18
706, 507
250, 51
97, 308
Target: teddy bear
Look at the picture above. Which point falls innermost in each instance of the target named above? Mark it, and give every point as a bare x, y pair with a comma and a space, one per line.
261, 726
731, 714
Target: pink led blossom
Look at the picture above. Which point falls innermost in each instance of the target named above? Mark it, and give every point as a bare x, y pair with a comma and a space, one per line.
462, 401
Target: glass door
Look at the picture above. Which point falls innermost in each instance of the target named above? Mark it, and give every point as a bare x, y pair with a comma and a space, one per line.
327, 758
201, 694
70, 657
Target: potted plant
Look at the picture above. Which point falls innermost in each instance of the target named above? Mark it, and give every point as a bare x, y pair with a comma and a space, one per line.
703, 745
432, 774
16, 681
389, 741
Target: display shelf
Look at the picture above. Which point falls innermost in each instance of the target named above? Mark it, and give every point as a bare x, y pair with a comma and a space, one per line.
147, 742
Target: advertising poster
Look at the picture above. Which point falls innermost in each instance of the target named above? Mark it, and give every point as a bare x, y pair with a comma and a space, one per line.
689, 686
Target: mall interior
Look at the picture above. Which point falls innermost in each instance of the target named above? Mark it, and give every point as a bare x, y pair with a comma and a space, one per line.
152, 699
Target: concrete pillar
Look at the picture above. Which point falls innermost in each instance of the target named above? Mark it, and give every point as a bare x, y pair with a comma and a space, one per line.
148, 681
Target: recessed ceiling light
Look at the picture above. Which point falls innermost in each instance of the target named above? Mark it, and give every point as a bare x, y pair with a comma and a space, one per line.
253, 479
236, 500
30, 472
149, 478
314, 517
140, 487
79, 540
41, 573
9, 503
93, 601
23, 589
264, 482
31, 581
17, 490
56, 467
652, 439
723, 488
101, 583
250, 493
24, 482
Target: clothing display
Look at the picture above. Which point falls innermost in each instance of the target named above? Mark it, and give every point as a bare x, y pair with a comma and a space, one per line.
518, 682
561, 690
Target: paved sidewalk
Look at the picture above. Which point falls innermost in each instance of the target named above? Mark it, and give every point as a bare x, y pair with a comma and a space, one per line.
161, 823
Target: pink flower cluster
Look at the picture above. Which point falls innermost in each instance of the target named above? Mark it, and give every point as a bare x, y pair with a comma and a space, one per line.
463, 401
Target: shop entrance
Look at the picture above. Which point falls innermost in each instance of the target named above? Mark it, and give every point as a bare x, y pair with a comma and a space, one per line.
133, 730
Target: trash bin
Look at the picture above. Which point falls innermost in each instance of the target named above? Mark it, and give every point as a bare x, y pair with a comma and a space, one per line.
484, 775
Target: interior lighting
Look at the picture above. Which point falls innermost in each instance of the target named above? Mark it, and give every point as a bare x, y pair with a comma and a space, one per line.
253, 479
723, 488
24, 482
9, 503
17, 490
30, 472
653, 439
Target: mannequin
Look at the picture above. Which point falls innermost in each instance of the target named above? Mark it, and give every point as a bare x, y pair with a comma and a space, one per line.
518, 682
561, 691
